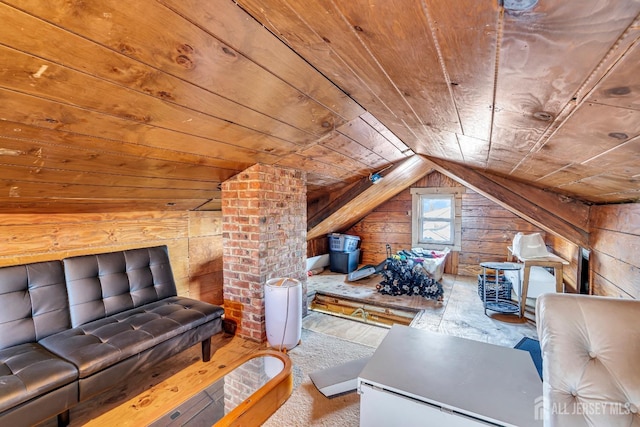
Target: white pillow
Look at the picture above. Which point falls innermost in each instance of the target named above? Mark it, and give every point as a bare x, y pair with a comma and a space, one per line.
529, 246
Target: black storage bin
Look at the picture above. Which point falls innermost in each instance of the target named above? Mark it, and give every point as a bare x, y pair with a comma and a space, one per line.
344, 262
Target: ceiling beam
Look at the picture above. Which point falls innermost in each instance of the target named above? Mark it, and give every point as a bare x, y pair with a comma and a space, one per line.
333, 202
371, 196
554, 213
336, 201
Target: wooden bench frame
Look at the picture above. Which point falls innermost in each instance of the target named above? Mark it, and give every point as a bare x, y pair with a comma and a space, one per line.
552, 261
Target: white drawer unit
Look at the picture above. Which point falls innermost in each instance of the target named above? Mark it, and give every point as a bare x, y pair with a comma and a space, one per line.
406, 411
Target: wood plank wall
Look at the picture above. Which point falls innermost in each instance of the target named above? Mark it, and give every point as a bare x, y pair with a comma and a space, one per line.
570, 252
615, 243
194, 240
487, 230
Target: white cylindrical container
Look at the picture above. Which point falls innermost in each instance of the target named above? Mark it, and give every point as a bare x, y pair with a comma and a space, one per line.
283, 312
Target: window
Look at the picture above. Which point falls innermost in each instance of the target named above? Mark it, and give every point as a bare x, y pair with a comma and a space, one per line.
436, 217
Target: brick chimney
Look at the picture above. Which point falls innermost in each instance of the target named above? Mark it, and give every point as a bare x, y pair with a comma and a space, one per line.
264, 229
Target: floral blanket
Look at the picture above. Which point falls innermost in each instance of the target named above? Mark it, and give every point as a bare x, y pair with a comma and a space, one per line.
402, 277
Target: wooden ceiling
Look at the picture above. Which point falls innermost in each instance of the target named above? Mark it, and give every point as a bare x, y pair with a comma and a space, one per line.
108, 105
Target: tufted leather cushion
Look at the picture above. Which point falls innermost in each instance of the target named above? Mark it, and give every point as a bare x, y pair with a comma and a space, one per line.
28, 371
33, 302
591, 360
105, 284
105, 342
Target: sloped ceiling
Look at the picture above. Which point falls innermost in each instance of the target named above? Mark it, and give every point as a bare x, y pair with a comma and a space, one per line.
548, 95
367, 197
107, 107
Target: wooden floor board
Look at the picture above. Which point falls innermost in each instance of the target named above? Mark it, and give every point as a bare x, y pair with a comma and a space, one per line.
460, 313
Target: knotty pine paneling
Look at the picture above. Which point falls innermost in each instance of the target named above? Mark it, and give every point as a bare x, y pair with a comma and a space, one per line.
205, 256
361, 132
487, 228
327, 41
487, 231
230, 24
100, 99
193, 238
520, 67
615, 243
467, 30
570, 252
381, 34
110, 65
187, 52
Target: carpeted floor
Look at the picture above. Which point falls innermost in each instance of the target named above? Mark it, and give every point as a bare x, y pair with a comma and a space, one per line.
307, 406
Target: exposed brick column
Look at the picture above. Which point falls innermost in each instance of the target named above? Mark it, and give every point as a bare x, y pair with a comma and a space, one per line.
264, 236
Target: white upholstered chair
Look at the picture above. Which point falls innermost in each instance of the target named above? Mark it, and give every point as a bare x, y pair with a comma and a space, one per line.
591, 360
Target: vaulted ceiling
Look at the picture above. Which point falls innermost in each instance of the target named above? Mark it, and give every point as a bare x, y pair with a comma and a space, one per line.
108, 105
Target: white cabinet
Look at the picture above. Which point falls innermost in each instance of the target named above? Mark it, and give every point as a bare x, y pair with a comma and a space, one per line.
421, 378
376, 404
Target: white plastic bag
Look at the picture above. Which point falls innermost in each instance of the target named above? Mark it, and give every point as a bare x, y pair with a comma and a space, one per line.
529, 246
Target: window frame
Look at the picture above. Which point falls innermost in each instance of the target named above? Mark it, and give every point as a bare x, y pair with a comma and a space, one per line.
455, 195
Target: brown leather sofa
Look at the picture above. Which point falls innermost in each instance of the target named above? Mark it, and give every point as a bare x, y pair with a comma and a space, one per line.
72, 329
